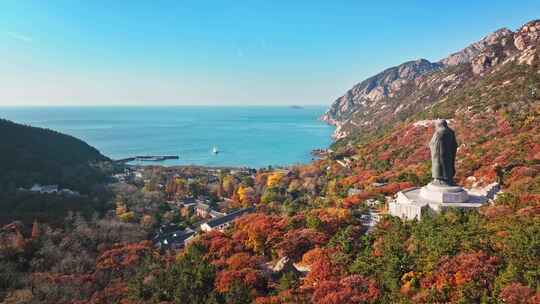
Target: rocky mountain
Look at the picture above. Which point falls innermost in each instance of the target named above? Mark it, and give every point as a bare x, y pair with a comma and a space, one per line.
399, 92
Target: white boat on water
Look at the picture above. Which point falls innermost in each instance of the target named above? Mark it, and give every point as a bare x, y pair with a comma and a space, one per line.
215, 150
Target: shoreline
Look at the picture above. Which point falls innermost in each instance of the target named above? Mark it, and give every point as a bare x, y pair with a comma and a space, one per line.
317, 154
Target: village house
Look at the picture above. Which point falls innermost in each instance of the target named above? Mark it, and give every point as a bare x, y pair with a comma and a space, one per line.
202, 210
171, 236
354, 191
168, 229
138, 175
221, 223
44, 189
175, 240
68, 192
189, 201
50, 189
186, 209
216, 214
120, 177
126, 176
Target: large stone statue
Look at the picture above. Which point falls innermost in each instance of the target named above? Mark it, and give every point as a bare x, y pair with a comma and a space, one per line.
443, 148
441, 193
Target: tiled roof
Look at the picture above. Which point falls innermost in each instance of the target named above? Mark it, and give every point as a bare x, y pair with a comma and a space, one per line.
169, 240
229, 217
202, 206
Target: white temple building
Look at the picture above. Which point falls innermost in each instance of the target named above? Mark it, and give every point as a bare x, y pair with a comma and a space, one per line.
415, 202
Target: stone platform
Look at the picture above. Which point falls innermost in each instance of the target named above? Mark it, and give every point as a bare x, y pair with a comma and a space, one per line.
444, 194
415, 202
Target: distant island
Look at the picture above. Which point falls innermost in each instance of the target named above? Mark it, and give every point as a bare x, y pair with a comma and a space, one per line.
296, 107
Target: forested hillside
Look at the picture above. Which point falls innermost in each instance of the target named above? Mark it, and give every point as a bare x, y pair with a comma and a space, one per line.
31, 155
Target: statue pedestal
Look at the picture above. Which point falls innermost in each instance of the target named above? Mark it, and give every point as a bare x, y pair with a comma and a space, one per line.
444, 194
414, 202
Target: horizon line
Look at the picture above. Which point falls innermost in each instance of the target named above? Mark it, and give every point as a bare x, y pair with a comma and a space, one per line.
160, 105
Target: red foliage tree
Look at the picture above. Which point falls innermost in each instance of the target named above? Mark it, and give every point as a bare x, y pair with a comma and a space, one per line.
122, 256
332, 219
284, 297
496, 212
297, 242
219, 245
115, 292
240, 267
322, 267
516, 293
357, 199
473, 269
354, 289
35, 230
393, 188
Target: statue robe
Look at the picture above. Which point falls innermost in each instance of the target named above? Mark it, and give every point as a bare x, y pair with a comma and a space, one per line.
443, 148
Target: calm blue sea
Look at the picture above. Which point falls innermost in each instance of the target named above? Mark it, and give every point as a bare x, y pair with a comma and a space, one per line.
245, 136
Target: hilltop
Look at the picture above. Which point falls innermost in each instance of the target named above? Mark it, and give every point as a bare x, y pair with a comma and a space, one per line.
31, 155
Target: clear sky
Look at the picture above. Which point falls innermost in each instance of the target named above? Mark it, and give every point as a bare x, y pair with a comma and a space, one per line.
104, 52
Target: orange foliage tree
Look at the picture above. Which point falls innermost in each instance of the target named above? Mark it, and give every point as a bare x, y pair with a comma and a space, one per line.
259, 232
241, 267
354, 289
122, 256
474, 271
246, 195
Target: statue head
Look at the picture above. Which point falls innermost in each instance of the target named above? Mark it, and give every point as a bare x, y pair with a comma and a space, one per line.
441, 124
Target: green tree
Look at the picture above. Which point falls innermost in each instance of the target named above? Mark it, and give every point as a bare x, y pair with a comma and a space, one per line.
238, 294
190, 280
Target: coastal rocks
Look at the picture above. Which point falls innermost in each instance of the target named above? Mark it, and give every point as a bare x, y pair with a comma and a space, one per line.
377, 87
367, 94
341, 131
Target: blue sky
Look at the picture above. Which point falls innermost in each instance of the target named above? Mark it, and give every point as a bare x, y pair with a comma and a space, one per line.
225, 52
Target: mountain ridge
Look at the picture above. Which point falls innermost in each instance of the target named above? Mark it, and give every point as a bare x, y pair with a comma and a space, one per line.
391, 95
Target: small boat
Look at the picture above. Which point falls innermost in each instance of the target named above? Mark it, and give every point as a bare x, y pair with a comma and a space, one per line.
215, 150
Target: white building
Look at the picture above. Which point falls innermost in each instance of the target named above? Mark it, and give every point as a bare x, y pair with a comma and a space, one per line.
413, 203
44, 189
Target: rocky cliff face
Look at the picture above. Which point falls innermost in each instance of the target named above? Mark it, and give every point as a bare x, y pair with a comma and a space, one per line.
397, 92
370, 95
502, 36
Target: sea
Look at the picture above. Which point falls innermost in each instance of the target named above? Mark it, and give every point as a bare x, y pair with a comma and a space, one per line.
254, 136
